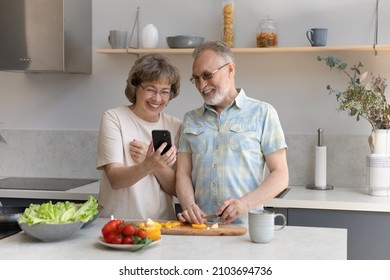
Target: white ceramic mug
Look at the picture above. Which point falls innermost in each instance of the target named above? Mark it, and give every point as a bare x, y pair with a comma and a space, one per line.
118, 39
261, 225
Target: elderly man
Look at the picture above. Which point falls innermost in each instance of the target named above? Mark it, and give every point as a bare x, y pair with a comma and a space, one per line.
226, 145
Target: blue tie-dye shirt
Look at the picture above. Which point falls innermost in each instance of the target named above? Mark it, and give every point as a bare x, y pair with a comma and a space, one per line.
228, 153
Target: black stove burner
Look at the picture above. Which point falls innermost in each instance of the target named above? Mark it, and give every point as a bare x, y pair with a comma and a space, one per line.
8, 229
48, 184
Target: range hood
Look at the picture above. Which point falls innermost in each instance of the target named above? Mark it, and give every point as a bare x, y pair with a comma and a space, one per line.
50, 36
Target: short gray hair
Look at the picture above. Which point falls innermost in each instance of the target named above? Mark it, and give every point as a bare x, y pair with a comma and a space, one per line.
219, 47
150, 68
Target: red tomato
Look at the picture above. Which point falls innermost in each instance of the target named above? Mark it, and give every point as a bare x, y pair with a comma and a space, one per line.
141, 233
119, 229
128, 230
110, 237
117, 240
127, 240
111, 226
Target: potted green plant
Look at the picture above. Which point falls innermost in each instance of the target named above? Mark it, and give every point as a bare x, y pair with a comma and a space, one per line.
367, 100
361, 99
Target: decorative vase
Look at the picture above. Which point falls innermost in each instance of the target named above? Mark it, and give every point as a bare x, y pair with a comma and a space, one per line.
378, 163
150, 37
381, 141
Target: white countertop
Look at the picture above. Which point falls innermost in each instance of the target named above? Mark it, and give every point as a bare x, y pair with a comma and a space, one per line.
352, 199
299, 243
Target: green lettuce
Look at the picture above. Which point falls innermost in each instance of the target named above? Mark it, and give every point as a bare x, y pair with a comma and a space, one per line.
60, 212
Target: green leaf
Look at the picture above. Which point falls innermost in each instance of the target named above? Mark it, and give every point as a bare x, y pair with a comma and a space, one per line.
61, 212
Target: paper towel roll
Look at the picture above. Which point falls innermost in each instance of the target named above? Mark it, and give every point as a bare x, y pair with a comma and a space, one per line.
320, 167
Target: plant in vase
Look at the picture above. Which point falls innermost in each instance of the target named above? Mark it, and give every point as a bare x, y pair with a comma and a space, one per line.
361, 99
367, 100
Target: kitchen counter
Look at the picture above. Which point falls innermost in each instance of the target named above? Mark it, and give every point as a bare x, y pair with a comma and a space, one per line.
301, 243
365, 216
350, 199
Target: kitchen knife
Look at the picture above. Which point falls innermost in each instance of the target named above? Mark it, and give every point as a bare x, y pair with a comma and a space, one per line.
212, 216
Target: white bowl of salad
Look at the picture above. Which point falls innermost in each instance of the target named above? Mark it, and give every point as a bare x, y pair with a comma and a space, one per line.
54, 222
51, 232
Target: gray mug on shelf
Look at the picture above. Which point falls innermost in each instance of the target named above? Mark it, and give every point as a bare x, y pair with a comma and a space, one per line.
261, 225
118, 39
317, 36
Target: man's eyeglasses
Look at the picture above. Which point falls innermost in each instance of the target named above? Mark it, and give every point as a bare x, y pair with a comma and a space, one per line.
205, 76
152, 92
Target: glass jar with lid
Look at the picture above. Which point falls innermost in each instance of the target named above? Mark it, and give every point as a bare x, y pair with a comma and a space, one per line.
228, 22
267, 35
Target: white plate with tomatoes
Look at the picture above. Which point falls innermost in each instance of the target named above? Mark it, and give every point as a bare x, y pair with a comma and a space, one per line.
130, 247
119, 234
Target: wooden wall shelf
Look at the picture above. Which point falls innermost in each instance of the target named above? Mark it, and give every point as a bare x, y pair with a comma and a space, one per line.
379, 48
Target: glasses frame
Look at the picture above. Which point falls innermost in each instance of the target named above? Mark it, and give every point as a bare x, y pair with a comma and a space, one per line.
206, 76
162, 94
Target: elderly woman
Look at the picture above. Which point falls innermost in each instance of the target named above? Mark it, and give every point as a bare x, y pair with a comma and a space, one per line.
137, 181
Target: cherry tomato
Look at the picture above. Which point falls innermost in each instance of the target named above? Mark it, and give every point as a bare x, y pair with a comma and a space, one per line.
119, 229
141, 233
111, 226
128, 230
117, 239
109, 237
127, 240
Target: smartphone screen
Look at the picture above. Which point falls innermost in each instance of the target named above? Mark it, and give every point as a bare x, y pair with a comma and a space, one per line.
159, 137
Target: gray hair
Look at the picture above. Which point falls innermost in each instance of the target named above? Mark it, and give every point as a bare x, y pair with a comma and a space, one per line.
219, 47
150, 68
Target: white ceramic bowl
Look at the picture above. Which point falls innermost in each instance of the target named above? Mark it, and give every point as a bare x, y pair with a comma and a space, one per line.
51, 232
184, 41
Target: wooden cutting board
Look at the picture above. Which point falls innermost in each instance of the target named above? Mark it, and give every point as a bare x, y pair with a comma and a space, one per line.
227, 230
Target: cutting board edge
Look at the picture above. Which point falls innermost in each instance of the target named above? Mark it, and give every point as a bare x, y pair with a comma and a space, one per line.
201, 234
228, 230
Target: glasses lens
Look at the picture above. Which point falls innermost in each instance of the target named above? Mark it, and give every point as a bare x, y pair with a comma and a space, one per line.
149, 91
208, 76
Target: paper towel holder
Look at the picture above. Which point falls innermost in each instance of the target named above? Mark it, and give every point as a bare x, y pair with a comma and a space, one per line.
314, 187
320, 150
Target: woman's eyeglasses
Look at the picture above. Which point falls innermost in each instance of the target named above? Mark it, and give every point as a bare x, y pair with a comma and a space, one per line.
152, 92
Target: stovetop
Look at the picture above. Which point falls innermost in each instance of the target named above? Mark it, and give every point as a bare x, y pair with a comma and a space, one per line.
48, 184
8, 229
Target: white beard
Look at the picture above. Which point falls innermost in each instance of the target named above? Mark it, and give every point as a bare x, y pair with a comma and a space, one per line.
214, 100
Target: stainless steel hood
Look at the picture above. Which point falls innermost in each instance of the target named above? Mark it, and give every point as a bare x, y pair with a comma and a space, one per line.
46, 36
45, 184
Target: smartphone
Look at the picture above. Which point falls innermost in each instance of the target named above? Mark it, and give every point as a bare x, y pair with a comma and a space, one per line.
159, 137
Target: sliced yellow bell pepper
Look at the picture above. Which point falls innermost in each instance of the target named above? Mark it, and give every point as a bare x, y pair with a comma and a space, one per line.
153, 233
199, 226
171, 224
153, 229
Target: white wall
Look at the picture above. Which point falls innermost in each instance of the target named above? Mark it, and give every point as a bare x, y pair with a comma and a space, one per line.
293, 83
